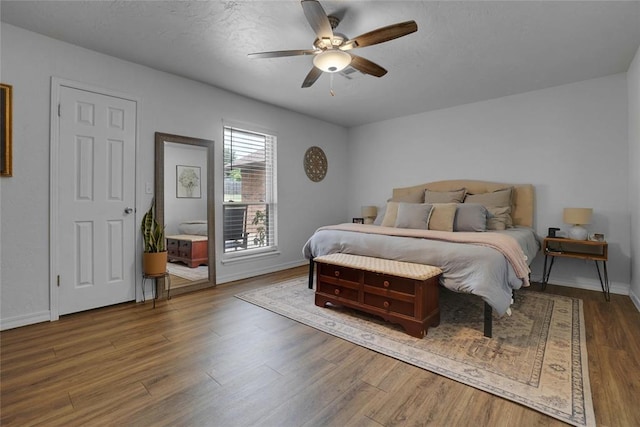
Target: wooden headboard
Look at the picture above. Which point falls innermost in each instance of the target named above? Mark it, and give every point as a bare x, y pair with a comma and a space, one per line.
523, 197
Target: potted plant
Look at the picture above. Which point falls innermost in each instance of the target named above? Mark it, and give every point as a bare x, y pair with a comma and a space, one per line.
154, 258
260, 219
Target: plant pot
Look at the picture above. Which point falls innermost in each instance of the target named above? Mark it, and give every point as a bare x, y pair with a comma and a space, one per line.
154, 263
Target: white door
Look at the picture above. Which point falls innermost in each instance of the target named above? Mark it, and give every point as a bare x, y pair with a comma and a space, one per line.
96, 197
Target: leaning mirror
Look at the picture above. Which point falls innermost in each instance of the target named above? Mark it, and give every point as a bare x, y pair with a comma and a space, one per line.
184, 204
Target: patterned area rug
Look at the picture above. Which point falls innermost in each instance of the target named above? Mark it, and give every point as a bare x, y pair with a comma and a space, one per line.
181, 270
537, 356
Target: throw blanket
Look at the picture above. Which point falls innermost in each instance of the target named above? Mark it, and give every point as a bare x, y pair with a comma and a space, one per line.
506, 245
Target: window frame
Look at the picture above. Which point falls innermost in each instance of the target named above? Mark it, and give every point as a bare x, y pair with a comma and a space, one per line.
271, 195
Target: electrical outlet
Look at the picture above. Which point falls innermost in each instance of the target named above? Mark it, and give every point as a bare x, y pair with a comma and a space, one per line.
148, 188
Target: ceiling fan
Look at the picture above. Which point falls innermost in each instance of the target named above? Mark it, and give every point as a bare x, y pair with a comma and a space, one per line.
330, 49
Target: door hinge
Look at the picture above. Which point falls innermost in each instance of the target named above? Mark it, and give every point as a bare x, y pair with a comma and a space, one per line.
58, 280
59, 110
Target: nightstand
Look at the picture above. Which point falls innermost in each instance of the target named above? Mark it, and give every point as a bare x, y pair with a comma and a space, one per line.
557, 247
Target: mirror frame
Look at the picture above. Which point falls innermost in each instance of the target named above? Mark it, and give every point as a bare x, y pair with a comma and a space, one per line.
160, 139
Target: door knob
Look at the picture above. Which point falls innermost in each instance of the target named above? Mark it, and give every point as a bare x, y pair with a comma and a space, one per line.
128, 210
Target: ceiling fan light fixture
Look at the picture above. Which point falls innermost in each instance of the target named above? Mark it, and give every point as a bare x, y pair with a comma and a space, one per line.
332, 60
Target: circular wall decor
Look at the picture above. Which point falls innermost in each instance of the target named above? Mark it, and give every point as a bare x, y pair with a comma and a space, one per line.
315, 164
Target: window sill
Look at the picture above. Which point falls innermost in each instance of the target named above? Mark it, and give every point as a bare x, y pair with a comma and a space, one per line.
233, 258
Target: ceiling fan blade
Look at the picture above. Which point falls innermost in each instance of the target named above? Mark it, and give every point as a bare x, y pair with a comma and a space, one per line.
312, 77
365, 66
381, 35
317, 18
281, 53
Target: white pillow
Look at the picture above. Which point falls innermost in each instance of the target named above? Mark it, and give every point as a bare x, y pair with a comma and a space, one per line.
382, 210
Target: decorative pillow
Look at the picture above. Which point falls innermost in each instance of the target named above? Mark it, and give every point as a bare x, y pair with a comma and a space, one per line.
455, 196
391, 212
497, 199
442, 216
470, 217
416, 197
499, 218
413, 215
382, 210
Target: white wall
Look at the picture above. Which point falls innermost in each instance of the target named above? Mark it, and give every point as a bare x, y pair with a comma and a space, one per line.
569, 141
168, 104
633, 84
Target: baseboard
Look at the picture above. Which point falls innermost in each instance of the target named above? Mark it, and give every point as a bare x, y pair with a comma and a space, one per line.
614, 287
245, 274
24, 320
635, 299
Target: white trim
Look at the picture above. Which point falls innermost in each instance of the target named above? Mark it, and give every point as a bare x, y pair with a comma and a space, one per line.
54, 161
247, 126
54, 148
635, 299
248, 255
24, 320
257, 272
592, 285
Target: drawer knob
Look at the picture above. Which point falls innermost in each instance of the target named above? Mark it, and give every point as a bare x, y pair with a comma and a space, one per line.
386, 283
336, 273
337, 291
386, 304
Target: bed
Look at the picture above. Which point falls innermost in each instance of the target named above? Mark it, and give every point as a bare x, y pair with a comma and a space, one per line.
490, 263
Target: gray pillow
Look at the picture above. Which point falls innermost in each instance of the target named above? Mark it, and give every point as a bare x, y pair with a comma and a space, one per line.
413, 215
470, 217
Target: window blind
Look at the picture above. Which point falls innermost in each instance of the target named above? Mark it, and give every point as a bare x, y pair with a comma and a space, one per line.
250, 205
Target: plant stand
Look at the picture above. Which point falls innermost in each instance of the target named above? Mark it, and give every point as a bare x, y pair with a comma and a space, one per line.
154, 289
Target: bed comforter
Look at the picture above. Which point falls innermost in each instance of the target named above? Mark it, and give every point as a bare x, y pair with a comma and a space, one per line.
470, 263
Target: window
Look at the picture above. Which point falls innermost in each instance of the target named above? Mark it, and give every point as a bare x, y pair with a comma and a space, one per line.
250, 203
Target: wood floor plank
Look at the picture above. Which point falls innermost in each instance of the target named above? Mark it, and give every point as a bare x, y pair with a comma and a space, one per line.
207, 358
346, 408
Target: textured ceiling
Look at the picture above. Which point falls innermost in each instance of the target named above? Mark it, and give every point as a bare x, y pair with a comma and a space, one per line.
463, 51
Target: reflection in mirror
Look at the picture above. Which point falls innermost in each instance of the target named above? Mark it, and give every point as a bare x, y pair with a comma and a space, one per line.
184, 204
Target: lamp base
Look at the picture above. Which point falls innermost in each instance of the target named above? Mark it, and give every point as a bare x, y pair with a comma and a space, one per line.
577, 232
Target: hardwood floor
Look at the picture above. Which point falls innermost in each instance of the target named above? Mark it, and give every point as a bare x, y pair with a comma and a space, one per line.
207, 358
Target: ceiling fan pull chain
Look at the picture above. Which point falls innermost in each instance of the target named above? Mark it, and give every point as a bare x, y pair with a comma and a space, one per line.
331, 85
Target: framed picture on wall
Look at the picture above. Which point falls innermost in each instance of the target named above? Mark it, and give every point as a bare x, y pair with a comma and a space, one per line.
188, 182
6, 166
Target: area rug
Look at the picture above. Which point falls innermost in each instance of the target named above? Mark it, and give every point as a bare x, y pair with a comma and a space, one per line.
180, 270
537, 356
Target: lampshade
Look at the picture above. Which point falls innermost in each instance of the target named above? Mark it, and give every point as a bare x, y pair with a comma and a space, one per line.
578, 217
369, 213
332, 60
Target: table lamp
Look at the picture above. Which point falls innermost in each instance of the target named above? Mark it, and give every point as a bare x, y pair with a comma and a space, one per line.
369, 214
577, 217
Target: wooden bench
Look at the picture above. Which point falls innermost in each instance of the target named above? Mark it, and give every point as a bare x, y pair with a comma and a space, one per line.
399, 292
189, 249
